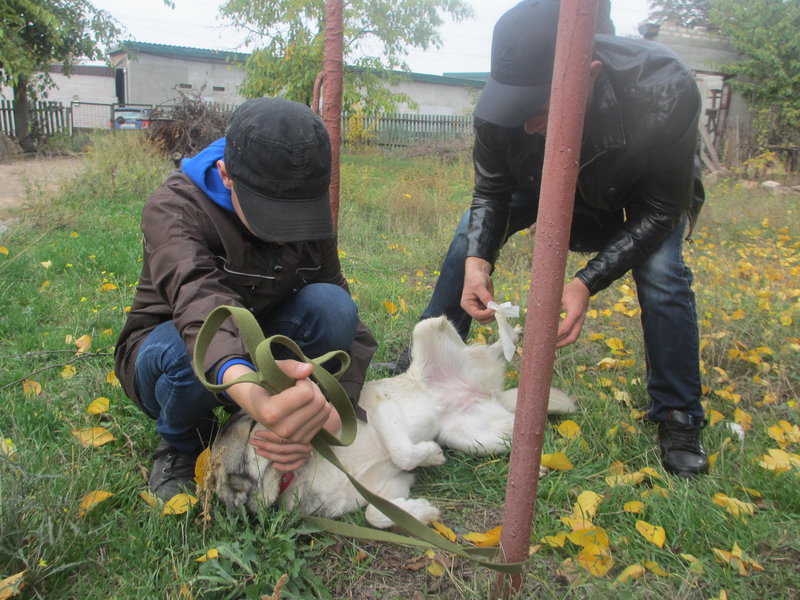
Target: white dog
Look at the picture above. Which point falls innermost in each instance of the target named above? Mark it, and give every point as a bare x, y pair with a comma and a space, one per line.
452, 395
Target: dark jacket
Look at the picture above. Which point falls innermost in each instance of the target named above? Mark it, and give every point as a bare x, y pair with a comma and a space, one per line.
198, 256
637, 177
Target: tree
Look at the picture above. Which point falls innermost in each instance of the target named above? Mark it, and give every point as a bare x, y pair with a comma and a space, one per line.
35, 33
767, 34
683, 13
377, 37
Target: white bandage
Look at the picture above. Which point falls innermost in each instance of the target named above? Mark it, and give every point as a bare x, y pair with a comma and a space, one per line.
508, 337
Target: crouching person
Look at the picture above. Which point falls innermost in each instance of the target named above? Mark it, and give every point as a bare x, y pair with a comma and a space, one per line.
245, 223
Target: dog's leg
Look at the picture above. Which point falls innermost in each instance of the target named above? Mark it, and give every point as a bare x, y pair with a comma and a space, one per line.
387, 419
559, 403
485, 429
397, 490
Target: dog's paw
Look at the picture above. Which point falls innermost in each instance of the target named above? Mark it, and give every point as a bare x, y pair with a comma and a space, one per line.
424, 511
419, 508
423, 454
434, 455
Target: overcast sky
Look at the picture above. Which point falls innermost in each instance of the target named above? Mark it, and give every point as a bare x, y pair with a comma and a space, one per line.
195, 23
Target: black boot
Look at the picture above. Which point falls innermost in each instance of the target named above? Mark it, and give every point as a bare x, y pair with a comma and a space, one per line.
173, 471
681, 451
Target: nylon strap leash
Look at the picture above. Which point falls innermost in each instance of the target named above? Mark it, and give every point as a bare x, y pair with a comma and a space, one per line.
271, 377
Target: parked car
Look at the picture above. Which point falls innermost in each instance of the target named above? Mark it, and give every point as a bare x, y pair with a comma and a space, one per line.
131, 117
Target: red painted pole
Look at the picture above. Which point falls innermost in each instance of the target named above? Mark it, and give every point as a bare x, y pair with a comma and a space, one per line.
333, 81
576, 26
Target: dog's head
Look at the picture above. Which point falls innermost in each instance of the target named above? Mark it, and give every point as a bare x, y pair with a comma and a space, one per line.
242, 477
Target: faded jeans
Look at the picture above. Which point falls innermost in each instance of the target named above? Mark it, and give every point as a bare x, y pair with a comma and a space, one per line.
319, 317
669, 317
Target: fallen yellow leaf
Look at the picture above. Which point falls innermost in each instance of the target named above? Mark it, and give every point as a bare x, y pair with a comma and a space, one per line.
652, 533
736, 559
653, 567
91, 500
735, 507
557, 461
650, 472
68, 372
590, 535
210, 555
94, 436
179, 504
201, 467
112, 379
744, 419
31, 388
595, 559
577, 523
8, 447
714, 417
83, 344
98, 406
656, 490
149, 498
4, 250
587, 505
10, 586
556, 541
634, 507
107, 287
568, 429
625, 479
444, 531
632, 572
489, 539
435, 568
391, 308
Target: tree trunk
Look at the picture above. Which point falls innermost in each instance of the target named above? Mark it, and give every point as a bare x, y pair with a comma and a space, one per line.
22, 115
333, 81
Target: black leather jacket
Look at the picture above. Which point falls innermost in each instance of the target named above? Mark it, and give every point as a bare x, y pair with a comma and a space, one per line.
638, 174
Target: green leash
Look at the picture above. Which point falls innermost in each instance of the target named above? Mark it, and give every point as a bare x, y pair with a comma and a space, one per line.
269, 376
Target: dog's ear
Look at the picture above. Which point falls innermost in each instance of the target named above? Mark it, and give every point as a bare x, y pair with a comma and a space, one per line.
437, 352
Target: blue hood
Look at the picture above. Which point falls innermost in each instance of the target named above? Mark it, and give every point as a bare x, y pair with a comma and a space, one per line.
202, 170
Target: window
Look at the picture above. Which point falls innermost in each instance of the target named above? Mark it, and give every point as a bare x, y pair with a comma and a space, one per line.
218, 88
184, 86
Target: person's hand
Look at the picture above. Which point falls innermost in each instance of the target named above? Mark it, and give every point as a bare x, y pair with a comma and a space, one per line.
478, 289
293, 417
574, 301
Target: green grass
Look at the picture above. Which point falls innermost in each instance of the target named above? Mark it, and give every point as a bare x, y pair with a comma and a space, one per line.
397, 216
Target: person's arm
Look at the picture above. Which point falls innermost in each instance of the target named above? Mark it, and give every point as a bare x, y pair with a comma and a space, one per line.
665, 197
489, 214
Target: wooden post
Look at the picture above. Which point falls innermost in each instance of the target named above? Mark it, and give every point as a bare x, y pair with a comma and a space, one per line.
573, 57
333, 81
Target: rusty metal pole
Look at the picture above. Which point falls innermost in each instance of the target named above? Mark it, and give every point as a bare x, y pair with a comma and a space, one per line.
333, 80
573, 57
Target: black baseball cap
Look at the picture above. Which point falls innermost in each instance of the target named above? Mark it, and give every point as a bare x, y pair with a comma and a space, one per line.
523, 52
278, 154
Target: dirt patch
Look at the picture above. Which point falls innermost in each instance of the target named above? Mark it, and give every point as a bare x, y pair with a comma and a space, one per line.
33, 176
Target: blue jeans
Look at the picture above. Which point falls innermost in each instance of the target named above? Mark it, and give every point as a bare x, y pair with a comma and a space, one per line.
669, 318
319, 317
